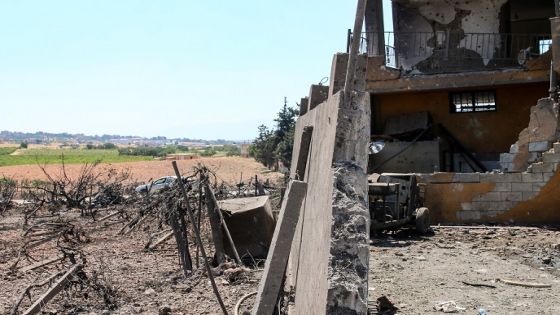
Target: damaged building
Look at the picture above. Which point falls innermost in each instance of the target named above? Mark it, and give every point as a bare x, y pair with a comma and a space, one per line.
461, 95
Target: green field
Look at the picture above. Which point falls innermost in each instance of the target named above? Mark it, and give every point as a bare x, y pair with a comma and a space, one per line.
71, 156
6, 151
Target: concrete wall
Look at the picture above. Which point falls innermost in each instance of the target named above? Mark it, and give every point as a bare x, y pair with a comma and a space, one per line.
527, 196
522, 198
437, 19
309, 259
474, 16
478, 132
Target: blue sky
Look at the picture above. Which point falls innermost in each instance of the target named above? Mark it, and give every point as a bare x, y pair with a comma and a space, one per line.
198, 69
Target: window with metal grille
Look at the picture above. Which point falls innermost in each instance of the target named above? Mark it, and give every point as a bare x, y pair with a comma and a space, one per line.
476, 101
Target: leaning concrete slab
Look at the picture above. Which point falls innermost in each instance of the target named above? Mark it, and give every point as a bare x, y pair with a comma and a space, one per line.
277, 258
327, 271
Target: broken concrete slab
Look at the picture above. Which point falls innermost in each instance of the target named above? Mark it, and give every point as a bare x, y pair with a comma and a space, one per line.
277, 258
251, 224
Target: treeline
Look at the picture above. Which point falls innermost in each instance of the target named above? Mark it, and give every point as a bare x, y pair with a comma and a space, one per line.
275, 145
229, 150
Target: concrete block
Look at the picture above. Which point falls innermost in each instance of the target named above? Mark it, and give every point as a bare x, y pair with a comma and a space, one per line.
540, 146
487, 205
556, 147
549, 167
536, 167
466, 178
512, 196
502, 187
277, 258
507, 166
317, 95
538, 186
514, 177
549, 157
466, 206
491, 214
506, 158
495, 178
251, 224
547, 177
528, 195
469, 216
532, 177
521, 187
491, 196
514, 148
534, 157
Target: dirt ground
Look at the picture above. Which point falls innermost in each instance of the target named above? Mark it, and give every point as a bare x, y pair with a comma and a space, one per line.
417, 273
144, 282
230, 169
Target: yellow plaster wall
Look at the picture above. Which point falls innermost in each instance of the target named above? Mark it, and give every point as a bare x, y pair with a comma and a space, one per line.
484, 132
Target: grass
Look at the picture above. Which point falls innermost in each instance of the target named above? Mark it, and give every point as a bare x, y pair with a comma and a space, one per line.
71, 156
7, 150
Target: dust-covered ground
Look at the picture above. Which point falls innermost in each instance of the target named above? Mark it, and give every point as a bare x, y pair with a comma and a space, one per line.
470, 267
137, 281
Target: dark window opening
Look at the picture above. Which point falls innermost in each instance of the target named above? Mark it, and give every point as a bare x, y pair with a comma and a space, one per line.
469, 102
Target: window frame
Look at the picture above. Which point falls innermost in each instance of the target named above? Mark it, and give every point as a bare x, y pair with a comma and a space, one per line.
473, 95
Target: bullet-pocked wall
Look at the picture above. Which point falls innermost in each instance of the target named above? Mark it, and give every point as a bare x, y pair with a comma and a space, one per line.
432, 34
489, 132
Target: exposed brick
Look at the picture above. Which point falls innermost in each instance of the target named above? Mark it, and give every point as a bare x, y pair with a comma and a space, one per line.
538, 186
506, 166
549, 157
500, 177
514, 148
547, 176
540, 146
492, 214
506, 157
532, 177
466, 178
528, 195
491, 196
535, 168
502, 187
490, 205
512, 196
514, 177
469, 215
521, 187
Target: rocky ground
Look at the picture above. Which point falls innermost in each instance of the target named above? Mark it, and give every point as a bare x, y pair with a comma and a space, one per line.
474, 269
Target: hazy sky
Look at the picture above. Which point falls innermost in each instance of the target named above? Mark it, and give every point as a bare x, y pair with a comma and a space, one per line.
184, 68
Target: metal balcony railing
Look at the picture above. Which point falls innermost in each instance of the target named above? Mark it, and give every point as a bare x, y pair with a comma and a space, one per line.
449, 51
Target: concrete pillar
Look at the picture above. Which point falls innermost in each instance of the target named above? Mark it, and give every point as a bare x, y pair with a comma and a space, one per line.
303, 106
317, 95
374, 28
555, 32
338, 73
